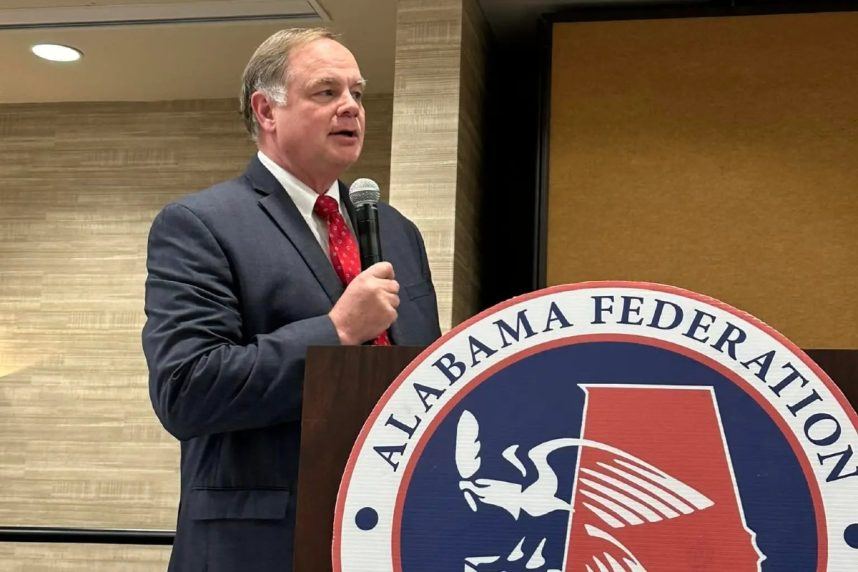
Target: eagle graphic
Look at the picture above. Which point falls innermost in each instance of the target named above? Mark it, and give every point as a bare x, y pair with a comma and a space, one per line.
619, 490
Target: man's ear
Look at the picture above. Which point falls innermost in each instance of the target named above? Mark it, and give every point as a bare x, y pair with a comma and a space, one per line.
263, 109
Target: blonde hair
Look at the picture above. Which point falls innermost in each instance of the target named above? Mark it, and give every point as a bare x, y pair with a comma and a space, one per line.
268, 69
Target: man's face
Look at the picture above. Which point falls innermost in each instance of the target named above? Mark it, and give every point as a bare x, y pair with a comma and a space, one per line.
320, 130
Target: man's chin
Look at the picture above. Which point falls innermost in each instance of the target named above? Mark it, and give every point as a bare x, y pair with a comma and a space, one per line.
346, 157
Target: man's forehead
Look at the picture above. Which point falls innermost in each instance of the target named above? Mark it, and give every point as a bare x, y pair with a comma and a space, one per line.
325, 57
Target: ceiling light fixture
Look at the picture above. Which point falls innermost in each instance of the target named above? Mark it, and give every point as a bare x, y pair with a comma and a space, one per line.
56, 52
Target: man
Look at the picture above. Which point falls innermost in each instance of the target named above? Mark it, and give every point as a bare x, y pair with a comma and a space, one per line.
243, 277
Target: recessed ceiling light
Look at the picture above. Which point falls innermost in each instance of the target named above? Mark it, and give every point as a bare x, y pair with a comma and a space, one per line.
56, 52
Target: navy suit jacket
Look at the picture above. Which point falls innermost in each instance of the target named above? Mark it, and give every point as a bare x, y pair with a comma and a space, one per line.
238, 288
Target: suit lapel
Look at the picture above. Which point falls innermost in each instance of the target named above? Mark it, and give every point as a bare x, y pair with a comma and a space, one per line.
387, 250
285, 215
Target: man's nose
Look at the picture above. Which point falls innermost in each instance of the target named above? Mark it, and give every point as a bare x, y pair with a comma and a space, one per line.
349, 106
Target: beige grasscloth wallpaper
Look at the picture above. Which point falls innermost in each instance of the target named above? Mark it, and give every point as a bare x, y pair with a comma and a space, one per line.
79, 186
437, 149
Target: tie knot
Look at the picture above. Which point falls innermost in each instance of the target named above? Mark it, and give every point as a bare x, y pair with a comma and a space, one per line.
326, 207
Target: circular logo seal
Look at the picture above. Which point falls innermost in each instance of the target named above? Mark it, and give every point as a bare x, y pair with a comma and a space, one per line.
604, 426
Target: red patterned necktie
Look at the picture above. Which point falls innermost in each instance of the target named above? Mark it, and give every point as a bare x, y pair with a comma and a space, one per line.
342, 247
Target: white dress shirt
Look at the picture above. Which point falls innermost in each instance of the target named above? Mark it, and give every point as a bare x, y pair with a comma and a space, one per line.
305, 199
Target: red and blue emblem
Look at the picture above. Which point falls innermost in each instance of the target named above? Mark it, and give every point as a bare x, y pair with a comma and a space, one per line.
605, 427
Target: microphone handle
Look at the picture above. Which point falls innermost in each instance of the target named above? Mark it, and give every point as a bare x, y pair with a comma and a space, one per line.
367, 234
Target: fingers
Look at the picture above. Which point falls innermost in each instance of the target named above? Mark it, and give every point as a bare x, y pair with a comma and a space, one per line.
390, 287
378, 276
381, 270
393, 300
368, 305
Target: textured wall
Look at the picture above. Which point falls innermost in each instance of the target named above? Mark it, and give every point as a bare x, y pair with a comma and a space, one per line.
43, 557
715, 154
79, 186
374, 161
436, 149
470, 188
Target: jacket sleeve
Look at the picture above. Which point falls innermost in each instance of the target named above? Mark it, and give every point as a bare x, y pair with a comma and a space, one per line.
204, 377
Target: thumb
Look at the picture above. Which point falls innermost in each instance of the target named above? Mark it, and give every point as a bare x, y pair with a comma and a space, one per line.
381, 270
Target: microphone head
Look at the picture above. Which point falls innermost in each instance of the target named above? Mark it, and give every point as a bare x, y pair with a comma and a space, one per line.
364, 192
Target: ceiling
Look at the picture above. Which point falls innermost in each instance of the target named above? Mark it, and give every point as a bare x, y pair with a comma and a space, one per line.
150, 50
200, 55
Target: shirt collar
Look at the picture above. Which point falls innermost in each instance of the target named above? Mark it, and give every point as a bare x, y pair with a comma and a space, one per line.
302, 195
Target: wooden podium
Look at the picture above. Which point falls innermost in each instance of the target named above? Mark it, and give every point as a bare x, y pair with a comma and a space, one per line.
341, 386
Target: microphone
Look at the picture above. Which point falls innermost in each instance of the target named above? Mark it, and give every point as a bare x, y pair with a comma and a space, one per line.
364, 194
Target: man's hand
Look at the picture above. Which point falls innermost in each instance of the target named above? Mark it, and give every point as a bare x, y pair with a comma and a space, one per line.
368, 306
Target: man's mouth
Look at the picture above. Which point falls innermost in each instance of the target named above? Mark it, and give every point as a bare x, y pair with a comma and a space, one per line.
345, 133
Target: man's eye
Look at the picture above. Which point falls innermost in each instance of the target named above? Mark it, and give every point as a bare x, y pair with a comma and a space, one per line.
357, 95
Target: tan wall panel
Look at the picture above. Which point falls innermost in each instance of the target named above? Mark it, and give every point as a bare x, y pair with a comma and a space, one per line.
426, 129
469, 183
374, 162
79, 186
39, 557
716, 154
436, 145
